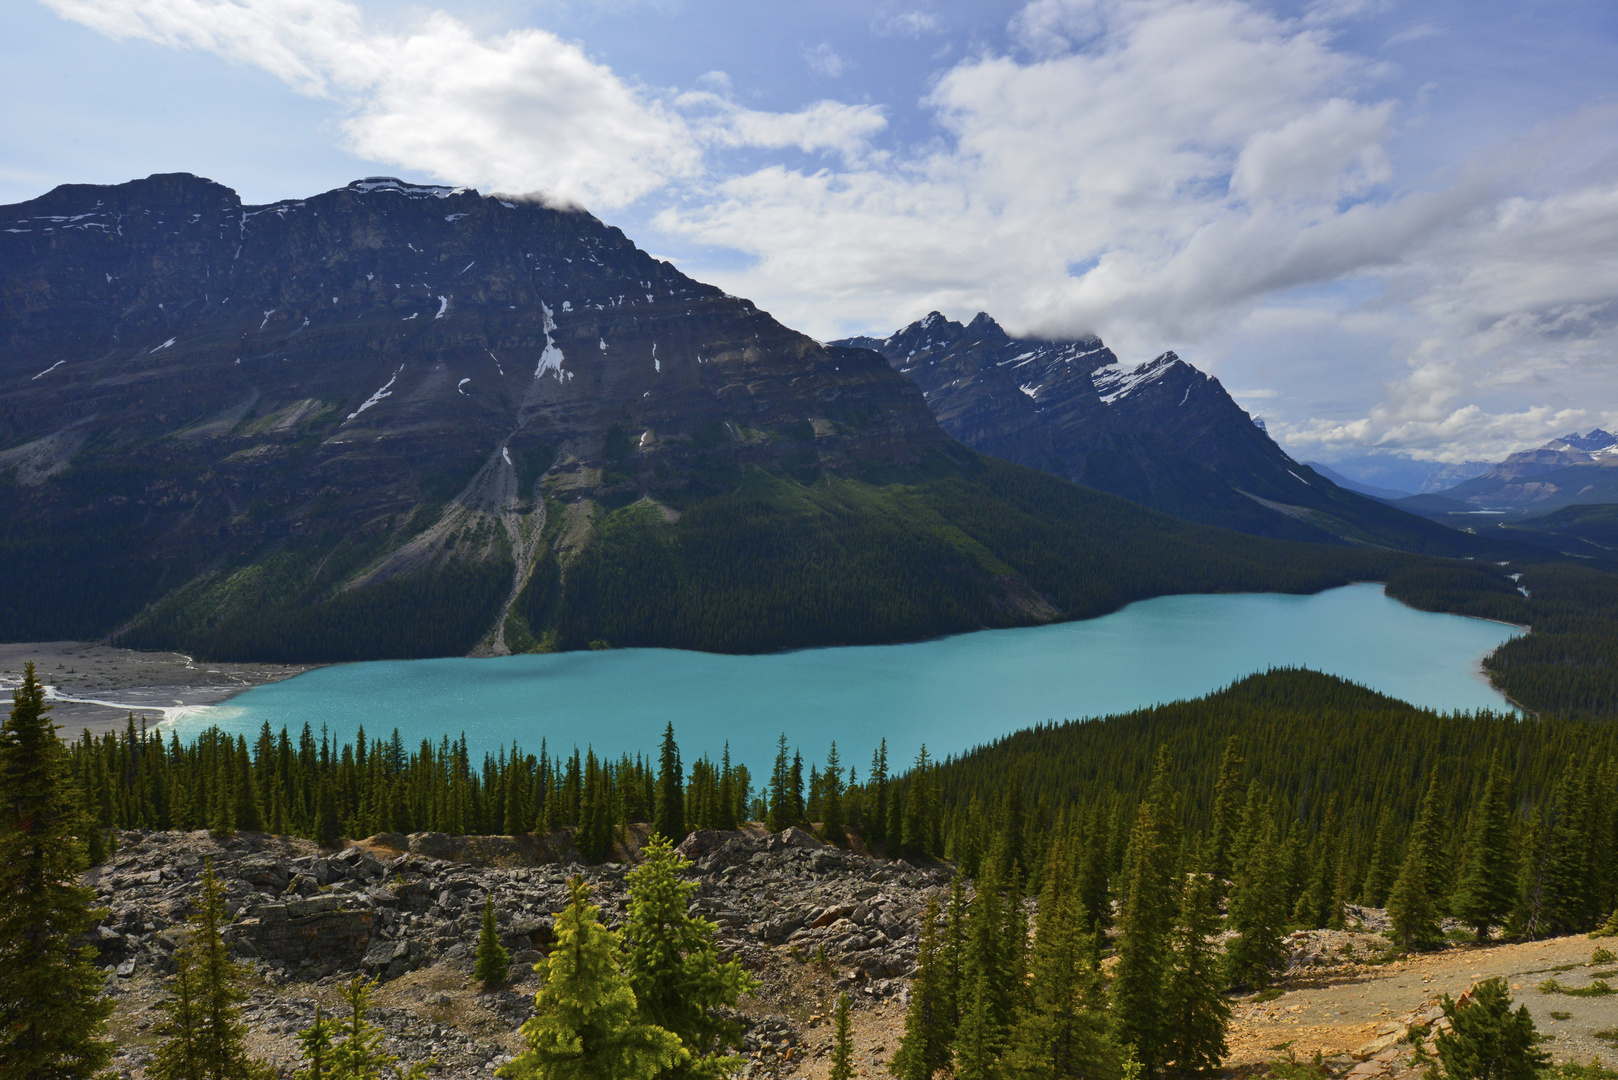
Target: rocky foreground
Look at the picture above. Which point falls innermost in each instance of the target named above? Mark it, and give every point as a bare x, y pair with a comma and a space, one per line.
809, 920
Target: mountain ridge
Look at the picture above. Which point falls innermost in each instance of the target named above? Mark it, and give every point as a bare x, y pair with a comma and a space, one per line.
396, 420
1162, 433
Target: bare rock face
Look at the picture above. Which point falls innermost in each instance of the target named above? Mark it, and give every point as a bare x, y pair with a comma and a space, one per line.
1162, 434
190, 385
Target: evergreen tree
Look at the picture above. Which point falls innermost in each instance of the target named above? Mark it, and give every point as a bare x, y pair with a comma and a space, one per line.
876, 820
328, 829
831, 799
779, 814
981, 1038
1197, 1011
672, 963
1257, 908
1061, 1034
244, 798
586, 1025
1227, 813
1486, 1040
493, 961
52, 1014
842, 1048
1384, 862
1487, 889
670, 819
204, 1036
358, 1054
1413, 902
1145, 919
314, 1046
925, 1047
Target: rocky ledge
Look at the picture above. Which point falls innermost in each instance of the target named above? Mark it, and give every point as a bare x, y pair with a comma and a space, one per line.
799, 913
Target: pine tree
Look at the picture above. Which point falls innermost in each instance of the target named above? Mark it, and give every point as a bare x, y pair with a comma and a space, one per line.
672, 963
52, 1014
315, 1045
925, 1048
1197, 1011
842, 1049
1384, 862
876, 820
586, 1025
244, 816
670, 811
1413, 903
1227, 813
1487, 889
779, 814
831, 799
1145, 919
1257, 908
204, 1036
493, 961
1487, 1041
328, 830
1061, 1034
358, 1054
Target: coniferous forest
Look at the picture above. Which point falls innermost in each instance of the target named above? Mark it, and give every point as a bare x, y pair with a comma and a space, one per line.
1266, 807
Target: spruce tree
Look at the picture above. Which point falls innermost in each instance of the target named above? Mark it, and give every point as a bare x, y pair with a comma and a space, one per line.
670, 811
831, 799
1145, 918
328, 830
876, 820
1197, 1011
493, 962
1061, 1033
779, 813
586, 1025
204, 1037
52, 1014
358, 1053
1227, 814
1257, 907
842, 1048
671, 959
924, 1048
1486, 1040
1413, 902
314, 1046
244, 815
1487, 889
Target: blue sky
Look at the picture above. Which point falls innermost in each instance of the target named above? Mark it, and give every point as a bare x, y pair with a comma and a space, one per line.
1390, 229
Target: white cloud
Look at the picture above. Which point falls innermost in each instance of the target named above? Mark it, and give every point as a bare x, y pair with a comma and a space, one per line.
519, 111
1162, 172
912, 23
823, 60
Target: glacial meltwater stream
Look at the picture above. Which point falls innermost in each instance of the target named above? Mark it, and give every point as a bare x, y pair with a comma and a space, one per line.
951, 693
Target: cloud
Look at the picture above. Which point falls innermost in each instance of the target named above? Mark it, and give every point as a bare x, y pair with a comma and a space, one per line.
518, 111
824, 61
910, 24
1162, 172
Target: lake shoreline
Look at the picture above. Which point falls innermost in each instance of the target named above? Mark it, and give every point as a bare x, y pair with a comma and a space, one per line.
95, 688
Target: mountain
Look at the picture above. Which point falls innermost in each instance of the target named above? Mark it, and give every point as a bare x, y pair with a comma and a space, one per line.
402, 420
1350, 484
1162, 434
1572, 470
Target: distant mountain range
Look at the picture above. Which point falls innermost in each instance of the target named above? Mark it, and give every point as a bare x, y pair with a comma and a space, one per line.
1162, 434
1573, 470
1552, 495
400, 420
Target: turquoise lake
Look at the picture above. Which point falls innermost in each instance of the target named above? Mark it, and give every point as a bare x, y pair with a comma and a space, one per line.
951, 693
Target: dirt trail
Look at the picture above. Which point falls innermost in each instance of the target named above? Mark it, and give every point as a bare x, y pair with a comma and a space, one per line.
1340, 1011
